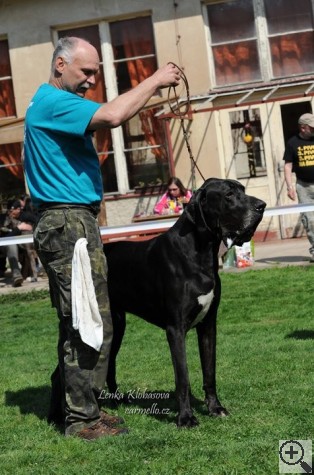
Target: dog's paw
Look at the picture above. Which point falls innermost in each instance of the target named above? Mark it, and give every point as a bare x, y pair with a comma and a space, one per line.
187, 421
215, 408
218, 411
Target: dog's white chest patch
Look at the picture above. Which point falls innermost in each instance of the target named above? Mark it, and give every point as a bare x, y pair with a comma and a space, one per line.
205, 301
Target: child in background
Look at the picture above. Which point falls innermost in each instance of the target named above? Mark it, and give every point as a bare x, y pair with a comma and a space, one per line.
173, 200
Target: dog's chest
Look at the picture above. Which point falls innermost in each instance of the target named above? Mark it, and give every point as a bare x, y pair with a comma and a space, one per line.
205, 301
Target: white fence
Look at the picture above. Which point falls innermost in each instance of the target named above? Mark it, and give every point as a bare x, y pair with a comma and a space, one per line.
150, 226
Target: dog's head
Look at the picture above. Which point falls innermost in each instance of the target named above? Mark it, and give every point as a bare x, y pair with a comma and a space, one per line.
223, 209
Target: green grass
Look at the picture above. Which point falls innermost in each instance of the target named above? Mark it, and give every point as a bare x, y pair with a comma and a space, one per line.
264, 377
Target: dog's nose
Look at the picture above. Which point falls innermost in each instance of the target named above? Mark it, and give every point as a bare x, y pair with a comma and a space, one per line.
260, 206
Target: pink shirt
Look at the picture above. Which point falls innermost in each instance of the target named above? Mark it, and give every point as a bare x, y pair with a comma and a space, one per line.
163, 203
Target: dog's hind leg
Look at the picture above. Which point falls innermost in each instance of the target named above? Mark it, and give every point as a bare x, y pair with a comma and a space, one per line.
176, 342
206, 332
119, 323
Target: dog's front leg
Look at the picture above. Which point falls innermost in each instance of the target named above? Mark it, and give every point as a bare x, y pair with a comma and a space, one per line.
176, 340
206, 332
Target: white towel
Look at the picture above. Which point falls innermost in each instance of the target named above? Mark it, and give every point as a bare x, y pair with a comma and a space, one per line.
85, 313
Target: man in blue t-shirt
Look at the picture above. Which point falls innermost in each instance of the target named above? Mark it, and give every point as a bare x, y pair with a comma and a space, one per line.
299, 159
63, 176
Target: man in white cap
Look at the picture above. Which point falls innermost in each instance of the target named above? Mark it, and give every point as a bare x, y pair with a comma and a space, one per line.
299, 159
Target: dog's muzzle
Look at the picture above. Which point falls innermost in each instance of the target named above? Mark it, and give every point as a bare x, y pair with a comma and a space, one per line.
252, 220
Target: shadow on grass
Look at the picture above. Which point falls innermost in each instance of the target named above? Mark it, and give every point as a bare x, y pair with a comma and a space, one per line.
301, 335
283, 259
160, 404
30, 400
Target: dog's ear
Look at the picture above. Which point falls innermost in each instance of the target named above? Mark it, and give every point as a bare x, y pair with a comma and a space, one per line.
200, 213
193, 205
203, 208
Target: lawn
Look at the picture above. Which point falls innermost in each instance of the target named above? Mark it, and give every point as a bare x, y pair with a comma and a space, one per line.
264, 378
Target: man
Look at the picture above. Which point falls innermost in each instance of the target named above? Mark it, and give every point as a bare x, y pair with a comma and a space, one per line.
62, 171
299, 159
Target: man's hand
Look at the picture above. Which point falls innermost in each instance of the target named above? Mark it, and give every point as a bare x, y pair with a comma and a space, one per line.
291, 193
288, 179
168, 75
25, 227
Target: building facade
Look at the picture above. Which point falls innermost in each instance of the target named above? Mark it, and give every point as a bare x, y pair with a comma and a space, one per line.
249, 66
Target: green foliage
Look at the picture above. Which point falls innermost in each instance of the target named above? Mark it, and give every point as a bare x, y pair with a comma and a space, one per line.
264, 378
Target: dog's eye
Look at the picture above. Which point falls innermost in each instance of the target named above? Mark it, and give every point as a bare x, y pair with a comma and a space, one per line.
229, 194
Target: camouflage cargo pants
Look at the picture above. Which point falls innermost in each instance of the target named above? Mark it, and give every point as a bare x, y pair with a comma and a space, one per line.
305, 192
82, 371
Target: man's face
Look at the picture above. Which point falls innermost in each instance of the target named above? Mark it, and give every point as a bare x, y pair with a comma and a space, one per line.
307, 131
80, 74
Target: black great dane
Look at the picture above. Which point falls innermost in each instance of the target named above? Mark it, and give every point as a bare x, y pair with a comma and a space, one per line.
172, 281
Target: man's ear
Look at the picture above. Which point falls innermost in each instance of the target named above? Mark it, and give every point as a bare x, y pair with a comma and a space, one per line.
60, 64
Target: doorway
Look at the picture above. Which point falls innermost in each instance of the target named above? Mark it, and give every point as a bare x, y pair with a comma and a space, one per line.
290, 114
291, 225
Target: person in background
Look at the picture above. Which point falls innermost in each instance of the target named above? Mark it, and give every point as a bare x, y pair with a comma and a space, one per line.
64, 180
173, 201
15, 224
3, 257
299, 159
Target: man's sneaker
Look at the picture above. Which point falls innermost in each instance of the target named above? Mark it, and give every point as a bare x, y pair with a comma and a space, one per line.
17, 281
110, 420
100, 429
312, 258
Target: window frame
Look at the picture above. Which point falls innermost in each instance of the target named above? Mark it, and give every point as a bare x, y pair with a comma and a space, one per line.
112, 92
256, 38
11, 168
9, 78
263, 46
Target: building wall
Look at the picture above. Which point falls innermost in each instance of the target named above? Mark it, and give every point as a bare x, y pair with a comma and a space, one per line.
180, 36
28, 24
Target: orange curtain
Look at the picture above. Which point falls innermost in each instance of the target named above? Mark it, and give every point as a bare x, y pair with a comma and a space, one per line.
103, 136
7, 108
287, 54
11, 153
139, 69
236, 62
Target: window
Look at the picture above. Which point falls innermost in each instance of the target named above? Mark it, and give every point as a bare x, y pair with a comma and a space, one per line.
144, 138
11, 170
233, 42
259, 40
291, 37
248, 145
135, 154
7, 105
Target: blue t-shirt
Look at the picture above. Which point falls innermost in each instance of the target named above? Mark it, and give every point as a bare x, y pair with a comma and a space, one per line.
61, 164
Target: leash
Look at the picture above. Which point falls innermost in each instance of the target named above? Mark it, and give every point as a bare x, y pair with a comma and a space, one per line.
177, 110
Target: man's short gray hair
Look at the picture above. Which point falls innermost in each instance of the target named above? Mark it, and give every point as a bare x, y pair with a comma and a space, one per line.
64, 48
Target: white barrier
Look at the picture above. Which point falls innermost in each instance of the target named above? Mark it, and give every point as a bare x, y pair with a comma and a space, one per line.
149, 226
